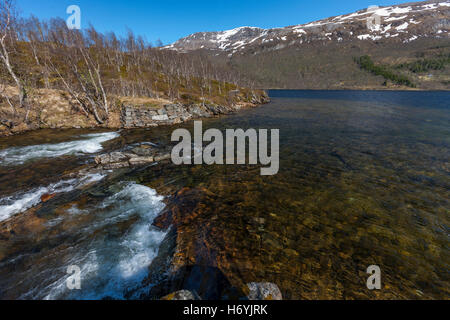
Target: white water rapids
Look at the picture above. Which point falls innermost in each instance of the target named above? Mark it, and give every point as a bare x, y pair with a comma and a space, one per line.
111, 267
110, 238
22, 201
90, 143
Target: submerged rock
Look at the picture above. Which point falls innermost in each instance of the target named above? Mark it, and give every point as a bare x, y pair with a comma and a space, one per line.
46, 197
143, 151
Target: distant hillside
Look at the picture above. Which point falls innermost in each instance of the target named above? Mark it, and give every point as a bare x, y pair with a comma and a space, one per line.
48, 70
324, 54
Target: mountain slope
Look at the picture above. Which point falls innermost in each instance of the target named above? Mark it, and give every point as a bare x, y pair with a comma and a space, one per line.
322, 54
405, 22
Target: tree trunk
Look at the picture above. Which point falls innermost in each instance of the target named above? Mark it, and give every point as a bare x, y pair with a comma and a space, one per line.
5, 58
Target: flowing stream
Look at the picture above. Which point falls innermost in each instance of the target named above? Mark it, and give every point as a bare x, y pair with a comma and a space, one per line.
364, 179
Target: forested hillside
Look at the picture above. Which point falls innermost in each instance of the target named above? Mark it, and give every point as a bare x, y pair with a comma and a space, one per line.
95, 72
409, 45
422, 64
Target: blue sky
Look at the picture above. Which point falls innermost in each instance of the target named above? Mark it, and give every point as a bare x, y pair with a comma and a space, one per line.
170, 20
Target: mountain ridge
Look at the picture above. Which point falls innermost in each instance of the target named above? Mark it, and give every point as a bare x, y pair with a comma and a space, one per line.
405, 22
404, 46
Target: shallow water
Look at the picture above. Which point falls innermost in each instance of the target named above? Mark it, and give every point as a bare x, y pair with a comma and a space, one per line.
87, 143
364, 179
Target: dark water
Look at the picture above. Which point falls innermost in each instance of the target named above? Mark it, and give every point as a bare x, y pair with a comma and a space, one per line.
364, 179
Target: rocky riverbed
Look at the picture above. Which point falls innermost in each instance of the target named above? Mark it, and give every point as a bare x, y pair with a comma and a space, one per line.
362, 182
115, 161
169, 276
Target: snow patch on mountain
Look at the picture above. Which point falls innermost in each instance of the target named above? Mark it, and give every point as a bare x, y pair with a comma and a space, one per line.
406, 22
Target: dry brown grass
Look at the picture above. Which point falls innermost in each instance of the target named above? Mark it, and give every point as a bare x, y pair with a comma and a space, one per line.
50, 108
157, 103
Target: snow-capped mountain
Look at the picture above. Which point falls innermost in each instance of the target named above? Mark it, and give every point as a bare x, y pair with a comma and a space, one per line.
405, 23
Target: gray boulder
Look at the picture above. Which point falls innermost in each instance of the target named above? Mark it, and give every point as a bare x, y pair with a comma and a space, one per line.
181, 295
264, 291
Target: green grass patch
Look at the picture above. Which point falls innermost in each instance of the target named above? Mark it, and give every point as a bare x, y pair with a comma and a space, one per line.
424, 65
366, 63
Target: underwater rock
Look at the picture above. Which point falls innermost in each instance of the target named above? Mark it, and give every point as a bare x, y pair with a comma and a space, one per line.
144, 151
46, 197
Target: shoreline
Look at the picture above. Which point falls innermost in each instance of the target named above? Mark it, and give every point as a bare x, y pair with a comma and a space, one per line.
53, 111
106, 128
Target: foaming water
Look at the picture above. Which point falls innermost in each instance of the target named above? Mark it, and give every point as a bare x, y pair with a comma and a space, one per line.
22, 201
89, 143
110, 269
360, 183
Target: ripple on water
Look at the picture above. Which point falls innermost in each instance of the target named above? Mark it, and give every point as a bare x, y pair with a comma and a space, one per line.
114, 261
89, 143
22, 201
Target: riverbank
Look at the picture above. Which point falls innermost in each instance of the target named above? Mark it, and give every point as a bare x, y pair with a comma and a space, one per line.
55, 109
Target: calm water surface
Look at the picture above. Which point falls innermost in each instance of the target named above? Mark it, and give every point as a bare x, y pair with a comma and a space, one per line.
364, 179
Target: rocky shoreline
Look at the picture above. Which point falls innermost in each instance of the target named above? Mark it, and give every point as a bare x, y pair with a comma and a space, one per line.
58, 112
142, 117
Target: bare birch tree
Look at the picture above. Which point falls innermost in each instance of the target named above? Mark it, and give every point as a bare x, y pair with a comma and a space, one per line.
7, 39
